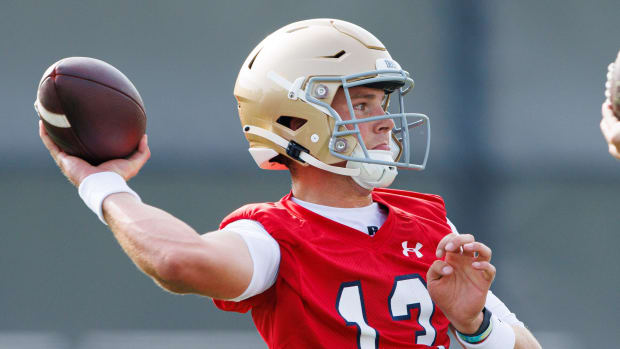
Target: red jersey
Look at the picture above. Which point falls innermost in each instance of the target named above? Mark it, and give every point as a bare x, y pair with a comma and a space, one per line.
340, 288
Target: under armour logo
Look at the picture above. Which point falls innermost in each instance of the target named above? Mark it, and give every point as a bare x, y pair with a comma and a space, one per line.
416, 250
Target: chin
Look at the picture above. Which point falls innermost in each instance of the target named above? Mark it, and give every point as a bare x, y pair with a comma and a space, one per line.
359, 188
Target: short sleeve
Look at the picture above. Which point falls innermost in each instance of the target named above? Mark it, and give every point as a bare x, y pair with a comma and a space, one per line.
264, 251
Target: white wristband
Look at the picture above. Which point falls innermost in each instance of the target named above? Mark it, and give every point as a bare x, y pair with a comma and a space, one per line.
502, 337
96, 187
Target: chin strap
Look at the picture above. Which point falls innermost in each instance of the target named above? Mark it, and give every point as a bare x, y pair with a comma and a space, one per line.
300, 152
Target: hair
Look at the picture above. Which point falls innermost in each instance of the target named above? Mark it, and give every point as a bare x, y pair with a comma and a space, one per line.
286, 161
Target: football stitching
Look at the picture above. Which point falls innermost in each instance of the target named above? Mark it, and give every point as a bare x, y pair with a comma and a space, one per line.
110, 87
90, 155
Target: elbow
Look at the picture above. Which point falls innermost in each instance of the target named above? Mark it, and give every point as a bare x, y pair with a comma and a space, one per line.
171, 272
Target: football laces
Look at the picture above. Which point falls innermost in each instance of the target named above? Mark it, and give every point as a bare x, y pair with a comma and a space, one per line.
610, 72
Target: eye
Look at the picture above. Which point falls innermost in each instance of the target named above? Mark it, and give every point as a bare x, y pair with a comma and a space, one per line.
360, 107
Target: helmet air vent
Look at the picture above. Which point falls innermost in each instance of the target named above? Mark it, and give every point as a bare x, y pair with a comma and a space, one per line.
291, 122
253, 59
336, 55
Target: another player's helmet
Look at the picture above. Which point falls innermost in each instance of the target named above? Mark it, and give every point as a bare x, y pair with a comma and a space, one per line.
295, 73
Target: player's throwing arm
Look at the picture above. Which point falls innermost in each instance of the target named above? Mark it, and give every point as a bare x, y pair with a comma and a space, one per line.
80, 131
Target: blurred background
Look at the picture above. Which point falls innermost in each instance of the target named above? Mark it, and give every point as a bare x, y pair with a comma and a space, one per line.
513, 89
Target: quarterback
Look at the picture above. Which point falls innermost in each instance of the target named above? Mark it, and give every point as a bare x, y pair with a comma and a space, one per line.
341, 261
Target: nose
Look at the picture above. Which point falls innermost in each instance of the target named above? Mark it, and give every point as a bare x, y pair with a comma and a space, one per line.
384, 125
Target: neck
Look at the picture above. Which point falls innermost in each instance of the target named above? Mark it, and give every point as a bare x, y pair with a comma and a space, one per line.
329, 189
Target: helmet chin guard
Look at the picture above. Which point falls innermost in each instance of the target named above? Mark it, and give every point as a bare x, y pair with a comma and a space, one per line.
373, 175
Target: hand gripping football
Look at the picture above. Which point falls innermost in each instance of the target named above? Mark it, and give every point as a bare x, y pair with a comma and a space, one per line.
90, 109
612, 87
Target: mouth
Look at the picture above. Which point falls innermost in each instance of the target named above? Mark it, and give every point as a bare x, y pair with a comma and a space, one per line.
382, 146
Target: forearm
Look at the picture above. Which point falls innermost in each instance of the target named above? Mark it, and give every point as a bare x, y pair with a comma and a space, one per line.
524, 339
149, 236
162, 246
173, 254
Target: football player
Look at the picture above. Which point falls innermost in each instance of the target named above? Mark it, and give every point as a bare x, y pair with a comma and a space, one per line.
341, 261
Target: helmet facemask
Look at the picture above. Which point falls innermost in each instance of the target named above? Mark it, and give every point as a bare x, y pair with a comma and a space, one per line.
396, 83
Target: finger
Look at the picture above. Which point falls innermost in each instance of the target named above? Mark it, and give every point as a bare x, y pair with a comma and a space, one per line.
607, 112
136, 160
145, 146
488, 269
144, 142
479, 250
143, 153
610, 126
611, 130
47, 141
615, 133
442, 244
606, 107
438, 270
454, 243
613, 150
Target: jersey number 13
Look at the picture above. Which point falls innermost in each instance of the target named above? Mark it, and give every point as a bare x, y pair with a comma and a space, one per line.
408, 292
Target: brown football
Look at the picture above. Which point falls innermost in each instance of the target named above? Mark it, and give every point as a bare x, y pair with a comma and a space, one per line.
612, 87
90, 109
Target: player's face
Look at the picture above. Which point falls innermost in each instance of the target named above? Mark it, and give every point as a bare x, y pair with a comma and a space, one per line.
366, 102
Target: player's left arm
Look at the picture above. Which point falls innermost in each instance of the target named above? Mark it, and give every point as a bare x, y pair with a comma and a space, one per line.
524, 339
460, 283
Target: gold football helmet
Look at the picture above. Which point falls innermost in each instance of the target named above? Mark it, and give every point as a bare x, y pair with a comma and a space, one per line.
295, 72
